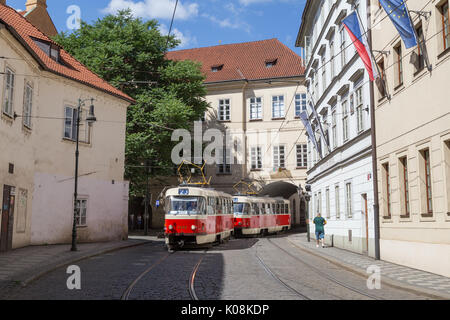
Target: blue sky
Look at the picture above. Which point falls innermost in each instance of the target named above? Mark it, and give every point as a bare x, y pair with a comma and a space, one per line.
198, 23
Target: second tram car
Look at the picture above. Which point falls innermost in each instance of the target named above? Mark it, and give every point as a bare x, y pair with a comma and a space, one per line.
197, 216
260, 215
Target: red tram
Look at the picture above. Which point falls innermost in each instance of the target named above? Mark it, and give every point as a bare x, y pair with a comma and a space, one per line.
260, 216
197, 216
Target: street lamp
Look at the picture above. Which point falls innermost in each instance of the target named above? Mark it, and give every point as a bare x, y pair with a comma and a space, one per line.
90, 119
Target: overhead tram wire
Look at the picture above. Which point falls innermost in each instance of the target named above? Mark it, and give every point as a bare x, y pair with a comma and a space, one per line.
171, 25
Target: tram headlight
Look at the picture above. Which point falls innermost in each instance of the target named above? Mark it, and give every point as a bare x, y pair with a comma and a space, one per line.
193, 228
171, 227
240, 223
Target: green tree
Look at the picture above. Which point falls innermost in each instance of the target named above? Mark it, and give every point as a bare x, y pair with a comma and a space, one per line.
129, 53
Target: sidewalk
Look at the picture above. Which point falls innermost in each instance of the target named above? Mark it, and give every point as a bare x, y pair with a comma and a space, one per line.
392, 274
21, 266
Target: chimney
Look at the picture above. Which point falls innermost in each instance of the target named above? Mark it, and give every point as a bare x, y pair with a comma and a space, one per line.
31, 4
36, 13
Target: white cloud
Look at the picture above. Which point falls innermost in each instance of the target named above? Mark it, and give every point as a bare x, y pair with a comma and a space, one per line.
186, 39
153, 9
227, 23
249, 2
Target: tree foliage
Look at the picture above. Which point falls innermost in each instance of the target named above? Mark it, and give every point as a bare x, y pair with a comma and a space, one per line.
129, 53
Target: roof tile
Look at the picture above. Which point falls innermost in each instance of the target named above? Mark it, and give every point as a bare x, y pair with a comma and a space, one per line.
244, 61
77, 71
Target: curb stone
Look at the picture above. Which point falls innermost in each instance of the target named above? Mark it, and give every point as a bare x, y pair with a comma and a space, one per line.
385, 280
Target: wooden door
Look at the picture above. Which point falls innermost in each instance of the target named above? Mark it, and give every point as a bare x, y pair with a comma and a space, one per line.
7, 218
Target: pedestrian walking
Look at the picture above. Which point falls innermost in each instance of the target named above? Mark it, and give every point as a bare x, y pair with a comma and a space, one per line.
320, 223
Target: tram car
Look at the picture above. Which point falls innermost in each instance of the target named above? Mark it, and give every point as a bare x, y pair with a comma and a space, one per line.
197, 217
255, 216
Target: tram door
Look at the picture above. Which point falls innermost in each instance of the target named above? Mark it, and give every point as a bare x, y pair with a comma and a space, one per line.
7, 218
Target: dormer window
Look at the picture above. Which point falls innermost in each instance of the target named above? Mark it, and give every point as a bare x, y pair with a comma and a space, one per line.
217, 68
271, 62
50, 49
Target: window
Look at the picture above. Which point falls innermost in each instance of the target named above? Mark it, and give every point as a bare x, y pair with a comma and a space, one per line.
271, 63
324, 74
334, 129
224, 110
278, 107
225, 166
387, 189
80, 216
419, 61
332, 66
278, 157
345, 120
398, 68
49, 49
445, 25
327, 195
256, 155
318, 198
300, 104
447, 172
381, 81
217, 68
302, 156
9, 92
255, 108
27, 105
337, 202
70, 125
404, 187
343, 47
359, 109
348, 197
426, 175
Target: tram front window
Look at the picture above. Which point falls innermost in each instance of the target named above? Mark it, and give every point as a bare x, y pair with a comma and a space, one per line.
186, 205
241, 209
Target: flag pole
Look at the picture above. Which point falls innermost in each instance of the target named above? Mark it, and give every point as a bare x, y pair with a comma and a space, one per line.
420, 43
388, 96
313, 105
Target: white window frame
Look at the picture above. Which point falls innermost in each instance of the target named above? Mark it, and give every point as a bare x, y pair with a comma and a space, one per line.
224, 167
254, 104
334, 128
359, 109
348, 200
300, 103
256, 158
224, 110
337, 201
27, 104
302, 155
343, 47
278, 107
85, 131
8, 92
345, 121
278, 161
81, 215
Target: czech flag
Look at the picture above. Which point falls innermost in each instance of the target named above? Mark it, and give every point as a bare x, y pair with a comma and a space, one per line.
351, 24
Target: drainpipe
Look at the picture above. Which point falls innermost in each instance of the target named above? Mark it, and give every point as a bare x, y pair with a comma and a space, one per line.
244, 129
376, 204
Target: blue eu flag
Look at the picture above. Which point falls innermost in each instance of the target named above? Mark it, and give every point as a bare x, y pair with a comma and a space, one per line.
397, 11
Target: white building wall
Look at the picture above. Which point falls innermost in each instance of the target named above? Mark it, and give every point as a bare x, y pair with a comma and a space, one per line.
350, 159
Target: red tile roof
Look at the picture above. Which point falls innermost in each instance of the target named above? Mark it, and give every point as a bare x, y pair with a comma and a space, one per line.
244, 61
73, 69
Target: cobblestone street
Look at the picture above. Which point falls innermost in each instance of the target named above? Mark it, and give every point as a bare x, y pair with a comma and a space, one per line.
271, 268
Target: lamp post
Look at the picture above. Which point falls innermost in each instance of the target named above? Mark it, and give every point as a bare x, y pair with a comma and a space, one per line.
307, 198
90, 119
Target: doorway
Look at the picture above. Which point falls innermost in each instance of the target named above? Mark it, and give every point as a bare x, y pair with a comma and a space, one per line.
366, 221
6, 230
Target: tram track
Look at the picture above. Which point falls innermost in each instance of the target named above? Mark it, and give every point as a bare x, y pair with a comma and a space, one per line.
191, 286
278, 279
323, 274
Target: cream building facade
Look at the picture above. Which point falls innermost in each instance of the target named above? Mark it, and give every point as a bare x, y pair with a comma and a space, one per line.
413, 140
39, 96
